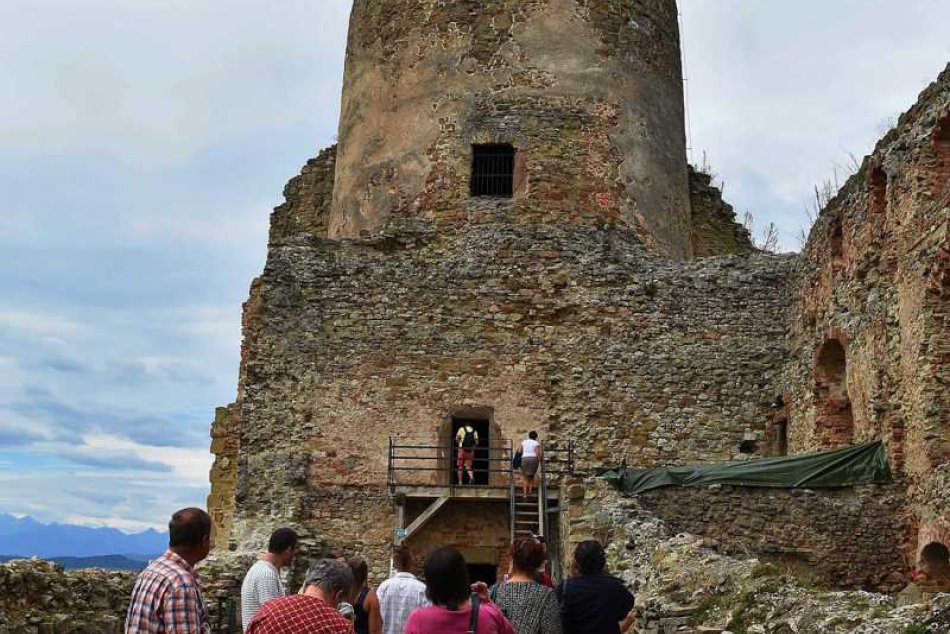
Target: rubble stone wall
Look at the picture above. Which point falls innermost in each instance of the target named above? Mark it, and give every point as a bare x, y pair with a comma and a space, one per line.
714, 230
848, 538
38, 597
875, 283
575, 331
307, 200
588, 91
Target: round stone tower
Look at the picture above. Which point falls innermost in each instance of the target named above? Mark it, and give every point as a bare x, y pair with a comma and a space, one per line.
539, 111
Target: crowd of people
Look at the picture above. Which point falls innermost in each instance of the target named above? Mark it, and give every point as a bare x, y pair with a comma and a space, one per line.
336, 597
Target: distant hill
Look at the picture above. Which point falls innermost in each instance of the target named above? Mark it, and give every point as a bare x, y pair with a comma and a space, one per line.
109, 562
27, 537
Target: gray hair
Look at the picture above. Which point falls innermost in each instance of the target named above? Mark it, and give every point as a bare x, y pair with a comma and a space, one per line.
329, 575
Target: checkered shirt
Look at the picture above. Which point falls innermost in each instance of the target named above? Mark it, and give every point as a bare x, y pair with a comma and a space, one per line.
399, 596
167, 600
299, 614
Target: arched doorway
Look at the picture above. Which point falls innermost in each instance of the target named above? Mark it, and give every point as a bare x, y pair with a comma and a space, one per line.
835, 421
935, 564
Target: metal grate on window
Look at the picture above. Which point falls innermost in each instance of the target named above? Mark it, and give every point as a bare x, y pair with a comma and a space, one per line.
493, 169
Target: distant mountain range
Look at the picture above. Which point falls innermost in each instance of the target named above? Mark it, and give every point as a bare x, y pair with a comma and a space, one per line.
26, 537
109, 562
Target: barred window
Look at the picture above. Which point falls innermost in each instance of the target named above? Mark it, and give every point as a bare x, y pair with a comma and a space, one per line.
493, 168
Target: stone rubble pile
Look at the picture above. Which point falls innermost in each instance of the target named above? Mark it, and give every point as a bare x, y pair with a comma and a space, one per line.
39, 597
685, 586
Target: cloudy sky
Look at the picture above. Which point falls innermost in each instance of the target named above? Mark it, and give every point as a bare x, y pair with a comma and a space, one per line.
143, 143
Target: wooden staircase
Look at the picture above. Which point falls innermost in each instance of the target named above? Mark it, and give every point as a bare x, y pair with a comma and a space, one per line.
529, 514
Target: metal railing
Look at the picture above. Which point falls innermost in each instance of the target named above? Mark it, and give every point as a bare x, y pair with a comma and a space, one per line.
422, 464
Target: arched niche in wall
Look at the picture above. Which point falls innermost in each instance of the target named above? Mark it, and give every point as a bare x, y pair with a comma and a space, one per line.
935, 564
836, 238
941, 147
835, 420
877, 188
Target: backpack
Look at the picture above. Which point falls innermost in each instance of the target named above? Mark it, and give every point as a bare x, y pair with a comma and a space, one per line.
468, 439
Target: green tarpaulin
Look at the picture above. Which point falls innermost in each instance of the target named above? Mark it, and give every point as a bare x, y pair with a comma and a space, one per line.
851, 466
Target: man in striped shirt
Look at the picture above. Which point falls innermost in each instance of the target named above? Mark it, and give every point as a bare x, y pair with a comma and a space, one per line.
167, 598
262, 582
401, 594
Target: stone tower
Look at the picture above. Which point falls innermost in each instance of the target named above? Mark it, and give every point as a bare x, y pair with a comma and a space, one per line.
588, 94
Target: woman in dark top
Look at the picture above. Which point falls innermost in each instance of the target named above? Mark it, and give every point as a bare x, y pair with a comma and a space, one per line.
368, 618
594, 602
531, 607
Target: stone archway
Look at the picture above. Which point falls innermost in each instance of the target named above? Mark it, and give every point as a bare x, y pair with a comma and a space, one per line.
935, 564
835, 419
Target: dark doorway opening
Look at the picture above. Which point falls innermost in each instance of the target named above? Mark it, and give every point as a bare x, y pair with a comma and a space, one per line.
781, 438
483, 572
482, 460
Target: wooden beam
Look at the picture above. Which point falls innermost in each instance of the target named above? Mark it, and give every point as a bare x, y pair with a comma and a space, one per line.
424, 517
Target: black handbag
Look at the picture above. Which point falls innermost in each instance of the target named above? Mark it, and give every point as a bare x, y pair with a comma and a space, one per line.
516, 461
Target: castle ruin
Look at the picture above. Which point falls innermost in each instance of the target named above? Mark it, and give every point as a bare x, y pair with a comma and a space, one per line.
508, 235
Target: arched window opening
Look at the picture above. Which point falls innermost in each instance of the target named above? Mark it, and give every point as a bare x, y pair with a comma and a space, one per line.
835, 422
877, 189
836, 238
941, 145
935, 564
781, 438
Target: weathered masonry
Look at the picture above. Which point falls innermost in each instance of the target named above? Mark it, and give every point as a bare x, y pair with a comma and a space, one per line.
507, 236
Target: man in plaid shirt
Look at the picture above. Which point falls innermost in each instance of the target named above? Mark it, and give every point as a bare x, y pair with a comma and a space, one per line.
315, 611
166, 598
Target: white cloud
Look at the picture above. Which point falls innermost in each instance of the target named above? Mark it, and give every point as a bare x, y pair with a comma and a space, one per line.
191, 466
781, 93
154, 82
37, 323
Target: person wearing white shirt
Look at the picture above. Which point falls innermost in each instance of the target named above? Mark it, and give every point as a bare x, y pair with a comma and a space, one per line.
531, 457
262, 582
401, 594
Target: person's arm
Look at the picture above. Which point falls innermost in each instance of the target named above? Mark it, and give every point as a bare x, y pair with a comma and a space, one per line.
371, 605
481, 589
625, 604
540, 451
627, 622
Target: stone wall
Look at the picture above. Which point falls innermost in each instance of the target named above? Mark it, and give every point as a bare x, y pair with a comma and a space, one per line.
688, 584
225, 445
576, 331
848, 538
588, 91
870, 338
307, 200
714, 230
37, 597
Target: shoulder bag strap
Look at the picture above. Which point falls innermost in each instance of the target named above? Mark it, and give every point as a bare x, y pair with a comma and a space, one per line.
476, 608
